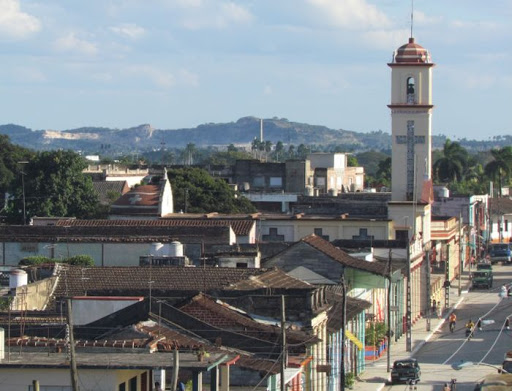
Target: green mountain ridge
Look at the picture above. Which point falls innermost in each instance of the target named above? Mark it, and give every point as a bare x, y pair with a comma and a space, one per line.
243, 131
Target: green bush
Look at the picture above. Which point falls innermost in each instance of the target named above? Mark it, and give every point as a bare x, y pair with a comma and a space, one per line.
350, 379
36, 260
80, 260
375, 333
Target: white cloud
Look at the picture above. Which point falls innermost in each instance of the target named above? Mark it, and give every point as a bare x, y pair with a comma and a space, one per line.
156, 76
103, 77
189, 78
14, 23
424, 19
480, 81
129, 30
232, 12
30, 75
189, 3
217, 15
483, 25
351, 14
71, 43
385, 39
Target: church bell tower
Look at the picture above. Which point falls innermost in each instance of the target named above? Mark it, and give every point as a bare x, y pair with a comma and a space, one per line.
411, 121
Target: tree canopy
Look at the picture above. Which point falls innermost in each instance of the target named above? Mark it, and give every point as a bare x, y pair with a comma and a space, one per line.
452, 164
10, 168
195, 191
54, 185
500, 167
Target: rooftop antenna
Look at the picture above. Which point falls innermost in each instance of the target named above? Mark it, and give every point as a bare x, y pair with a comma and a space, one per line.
412, 16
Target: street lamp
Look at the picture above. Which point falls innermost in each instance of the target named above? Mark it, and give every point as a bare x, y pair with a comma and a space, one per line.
23, 190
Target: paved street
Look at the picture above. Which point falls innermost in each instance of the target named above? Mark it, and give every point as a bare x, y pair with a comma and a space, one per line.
438, 349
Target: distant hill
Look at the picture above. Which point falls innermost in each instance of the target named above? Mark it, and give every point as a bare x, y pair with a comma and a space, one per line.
93, 140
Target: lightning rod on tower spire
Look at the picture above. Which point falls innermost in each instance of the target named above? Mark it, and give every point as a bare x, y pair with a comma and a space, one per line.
412, 15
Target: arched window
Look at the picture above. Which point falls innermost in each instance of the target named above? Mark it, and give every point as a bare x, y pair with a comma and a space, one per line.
411, 90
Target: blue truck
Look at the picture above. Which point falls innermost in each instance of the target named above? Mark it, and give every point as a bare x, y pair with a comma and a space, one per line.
500, 252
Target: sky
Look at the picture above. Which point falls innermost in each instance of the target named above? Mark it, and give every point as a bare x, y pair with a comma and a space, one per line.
181, 63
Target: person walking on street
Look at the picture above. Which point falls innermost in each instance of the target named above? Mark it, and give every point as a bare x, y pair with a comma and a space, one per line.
434, 307
446, 387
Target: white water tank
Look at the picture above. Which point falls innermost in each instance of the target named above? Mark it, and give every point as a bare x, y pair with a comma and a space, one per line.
444, 192
176, 249
333, 192
157, 249
17, 278
309, 191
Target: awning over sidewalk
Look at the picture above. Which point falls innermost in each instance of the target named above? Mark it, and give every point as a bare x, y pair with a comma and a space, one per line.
354, 339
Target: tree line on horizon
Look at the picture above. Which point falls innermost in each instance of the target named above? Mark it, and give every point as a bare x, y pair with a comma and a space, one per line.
53, 182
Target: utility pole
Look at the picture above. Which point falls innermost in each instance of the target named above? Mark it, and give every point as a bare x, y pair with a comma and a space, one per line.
427, 275
72, 356
175, 369
461, 256
447, 278
343, 321
283, 343
389, 313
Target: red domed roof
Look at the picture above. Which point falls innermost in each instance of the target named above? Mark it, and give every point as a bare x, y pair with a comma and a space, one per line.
412, 53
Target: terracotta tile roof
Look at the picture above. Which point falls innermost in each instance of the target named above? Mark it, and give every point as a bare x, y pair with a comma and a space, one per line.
170, 338
145, 195
342, 257
153, 338
64, 232
240, 227
77, 281
241, 224
222, 316
273, 278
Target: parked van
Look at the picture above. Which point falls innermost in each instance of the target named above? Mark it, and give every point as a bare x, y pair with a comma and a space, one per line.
500, 252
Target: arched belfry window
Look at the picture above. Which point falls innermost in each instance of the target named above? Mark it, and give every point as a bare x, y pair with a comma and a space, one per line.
411, 90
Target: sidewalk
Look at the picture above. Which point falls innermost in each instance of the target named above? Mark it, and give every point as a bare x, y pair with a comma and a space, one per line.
375, 375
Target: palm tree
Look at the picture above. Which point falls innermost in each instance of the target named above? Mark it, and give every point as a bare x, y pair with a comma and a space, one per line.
189, 153
255, 146
384, 171
450, 167
501, 166
279, 150
268, 148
